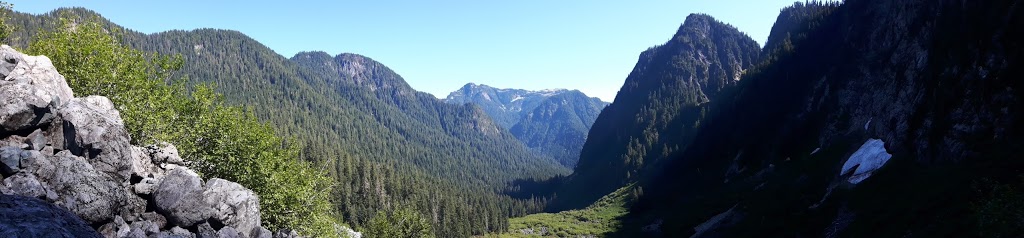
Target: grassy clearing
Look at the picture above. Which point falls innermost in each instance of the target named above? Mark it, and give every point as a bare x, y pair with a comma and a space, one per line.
598, 219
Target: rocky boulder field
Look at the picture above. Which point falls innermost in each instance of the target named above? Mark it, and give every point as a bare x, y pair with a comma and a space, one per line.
69, 170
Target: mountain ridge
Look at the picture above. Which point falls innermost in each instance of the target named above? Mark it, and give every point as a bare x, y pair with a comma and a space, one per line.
658, 108
552, 122
507, 99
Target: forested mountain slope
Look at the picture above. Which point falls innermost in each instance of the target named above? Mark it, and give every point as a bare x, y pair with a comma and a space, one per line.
390, 146
865, 119
552, 122
659, 107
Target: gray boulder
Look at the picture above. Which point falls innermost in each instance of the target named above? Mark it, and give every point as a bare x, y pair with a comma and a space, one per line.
14, 141
94, 196
25, 185
116, 229
229, 232
179, 196
30, 90
23, 107
30, 217
133, 233
10, 160
6, 191
36, 140
142, 165
181, 232
158, 220
48, 151
10, 59
204, 230
33, 141
262, 232
145, 227
176, 232
146, 186
165, 153
132, 206
92, 128
37, 163
37, 71
166, 234
233, 205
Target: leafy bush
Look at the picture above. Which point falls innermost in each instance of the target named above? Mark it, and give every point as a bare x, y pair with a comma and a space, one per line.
216, 139
404, 222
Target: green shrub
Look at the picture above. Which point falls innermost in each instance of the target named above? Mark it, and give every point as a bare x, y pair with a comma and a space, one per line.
404, 222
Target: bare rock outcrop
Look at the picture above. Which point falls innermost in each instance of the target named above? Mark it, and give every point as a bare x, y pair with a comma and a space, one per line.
30, 91
234, 205
90, 127
180, 196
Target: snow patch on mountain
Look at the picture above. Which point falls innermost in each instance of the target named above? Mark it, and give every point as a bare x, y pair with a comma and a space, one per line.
870, 157
550, 92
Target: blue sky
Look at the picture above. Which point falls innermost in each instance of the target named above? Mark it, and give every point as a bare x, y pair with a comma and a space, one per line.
438, 46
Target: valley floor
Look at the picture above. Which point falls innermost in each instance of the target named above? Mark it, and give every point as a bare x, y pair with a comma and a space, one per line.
601, 218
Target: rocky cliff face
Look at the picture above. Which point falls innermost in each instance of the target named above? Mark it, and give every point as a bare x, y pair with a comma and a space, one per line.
658, 109
75, 153
558, 126
358, 70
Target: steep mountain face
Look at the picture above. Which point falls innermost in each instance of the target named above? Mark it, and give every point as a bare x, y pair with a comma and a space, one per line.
558, 126
389, 145
879, 119
347, 70
358, 70
659, 107
552, 122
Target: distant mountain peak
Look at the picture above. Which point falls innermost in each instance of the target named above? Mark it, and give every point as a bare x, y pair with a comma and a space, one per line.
703, 22
554, 122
